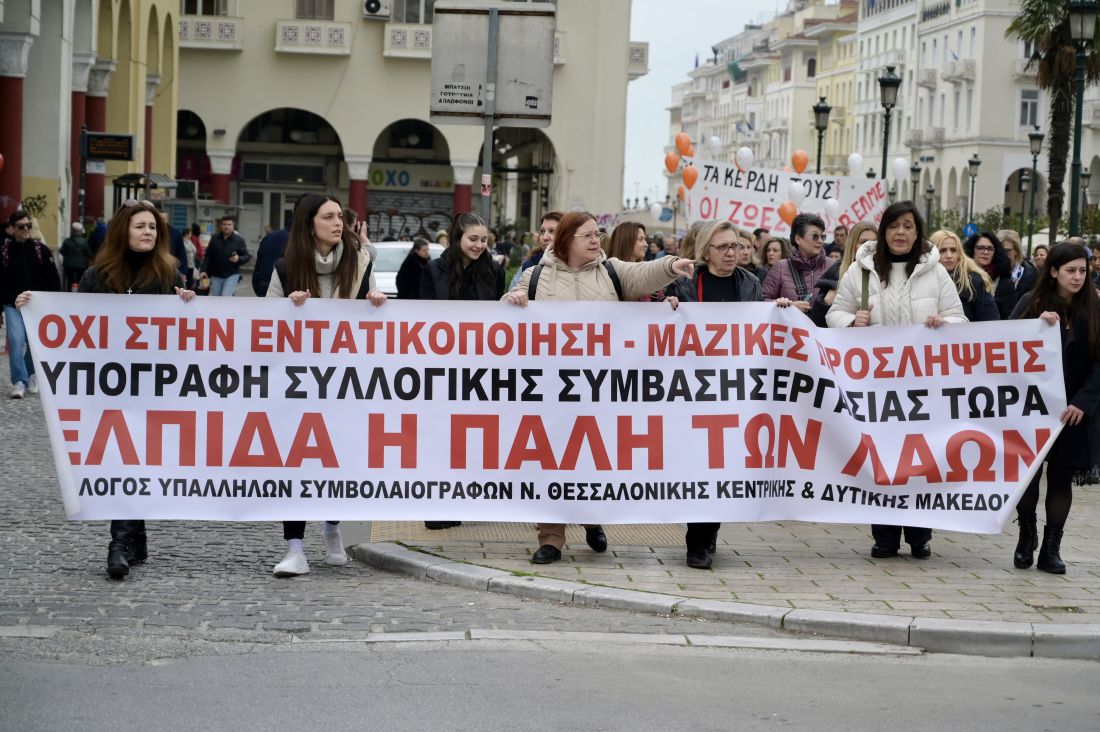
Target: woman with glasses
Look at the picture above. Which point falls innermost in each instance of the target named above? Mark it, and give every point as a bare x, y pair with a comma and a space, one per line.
25, 264
324, 259
792, 281
986, 249
135, 259
1023, 275
1064, 297
975, 287
905, 285
576, 268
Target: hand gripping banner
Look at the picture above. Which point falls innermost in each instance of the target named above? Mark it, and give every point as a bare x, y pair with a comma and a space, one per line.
243, 409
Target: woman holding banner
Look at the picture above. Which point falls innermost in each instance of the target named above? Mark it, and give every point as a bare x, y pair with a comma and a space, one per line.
1063, 296
861, 233
575, 268
134, 259
897, 280
467, 271
974, 286
794, 279
323, 258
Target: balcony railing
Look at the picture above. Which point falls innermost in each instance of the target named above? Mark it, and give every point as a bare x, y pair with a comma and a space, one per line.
1091, 115
1021, 71
325, 37
414, 40
914, 138
927, 78
935, 9
213, 32
964, 69
637, 59
935, 137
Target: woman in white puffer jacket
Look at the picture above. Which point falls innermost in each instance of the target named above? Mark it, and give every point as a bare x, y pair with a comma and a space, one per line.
906, 285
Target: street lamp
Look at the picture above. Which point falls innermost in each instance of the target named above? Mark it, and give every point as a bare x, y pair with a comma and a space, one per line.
892, 192
929, 199
1025, 178
821, 122
1082, 28
973, 163
871, 174
1036, 140
888, 85
914, 181
1086, 176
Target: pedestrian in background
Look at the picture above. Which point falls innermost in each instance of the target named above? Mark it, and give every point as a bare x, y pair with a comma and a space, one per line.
412, 269
25, 264
76, 255
776, 250
225, 253
1063, 297
322, 260
135, 259
897, 280
974, 286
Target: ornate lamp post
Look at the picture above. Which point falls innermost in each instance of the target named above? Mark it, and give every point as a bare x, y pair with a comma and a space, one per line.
929, 199
1036, 140
1082, 28
888, 85
973, 162
821, 122
1025, 178
914, 182
1086, 176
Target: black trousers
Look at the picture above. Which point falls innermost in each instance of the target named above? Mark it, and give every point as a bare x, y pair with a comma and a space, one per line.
297, 529
889, 537
700, 536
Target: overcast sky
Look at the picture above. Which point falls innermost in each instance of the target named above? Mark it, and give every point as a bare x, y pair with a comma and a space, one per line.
676, 30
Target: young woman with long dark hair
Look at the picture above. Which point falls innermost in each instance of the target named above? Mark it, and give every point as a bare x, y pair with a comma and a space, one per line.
323, 259
1063, 297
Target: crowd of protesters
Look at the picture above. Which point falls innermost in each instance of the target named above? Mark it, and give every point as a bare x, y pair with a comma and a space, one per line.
892, 273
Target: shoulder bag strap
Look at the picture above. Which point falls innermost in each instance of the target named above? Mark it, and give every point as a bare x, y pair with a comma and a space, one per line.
614, 279
866, 290
533, 283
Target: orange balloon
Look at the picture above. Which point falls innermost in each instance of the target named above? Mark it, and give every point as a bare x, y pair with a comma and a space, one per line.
683, 143
690, 176
788, 211
672, 163
799, 160
680, 193
690, 152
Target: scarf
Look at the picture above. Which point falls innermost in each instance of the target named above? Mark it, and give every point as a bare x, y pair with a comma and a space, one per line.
804, 264
325, 266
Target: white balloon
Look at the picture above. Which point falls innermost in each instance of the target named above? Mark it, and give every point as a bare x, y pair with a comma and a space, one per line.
855, 164
744, 157
832, 207
796, 192
655, 210
714, 144
901, 169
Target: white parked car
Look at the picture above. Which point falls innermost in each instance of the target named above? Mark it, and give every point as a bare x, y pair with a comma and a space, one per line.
390, 255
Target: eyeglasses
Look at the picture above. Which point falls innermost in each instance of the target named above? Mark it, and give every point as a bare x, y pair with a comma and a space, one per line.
814, 237
723, 248
589, 236
131, 202
23, 227
984, 249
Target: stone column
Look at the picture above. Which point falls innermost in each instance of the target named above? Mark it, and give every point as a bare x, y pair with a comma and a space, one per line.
151, 83
95, 114
463, 190
15, 49
82, 67
358, 172
221, 165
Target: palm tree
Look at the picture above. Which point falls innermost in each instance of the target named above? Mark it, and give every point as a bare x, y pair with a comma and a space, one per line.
1045, 24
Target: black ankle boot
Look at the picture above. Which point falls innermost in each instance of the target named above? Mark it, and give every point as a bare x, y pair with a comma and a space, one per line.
1025, 547
1050, 559
140, 548
120, 552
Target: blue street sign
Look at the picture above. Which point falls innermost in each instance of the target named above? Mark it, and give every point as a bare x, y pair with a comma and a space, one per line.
970, 230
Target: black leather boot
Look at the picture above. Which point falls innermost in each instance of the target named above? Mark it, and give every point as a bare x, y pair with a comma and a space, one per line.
140, 549
120, 551
1050, 559
1025, 547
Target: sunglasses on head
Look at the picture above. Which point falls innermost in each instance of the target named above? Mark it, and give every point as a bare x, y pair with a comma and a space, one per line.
23, 227
131, 202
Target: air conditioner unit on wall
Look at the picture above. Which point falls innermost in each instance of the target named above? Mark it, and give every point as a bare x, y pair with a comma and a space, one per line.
376, 9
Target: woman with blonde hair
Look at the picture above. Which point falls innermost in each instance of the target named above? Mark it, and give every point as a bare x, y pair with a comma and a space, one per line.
974, 285
861, 233
687, 244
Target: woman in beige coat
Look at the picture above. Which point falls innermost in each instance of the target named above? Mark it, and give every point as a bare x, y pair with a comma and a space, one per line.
576, 268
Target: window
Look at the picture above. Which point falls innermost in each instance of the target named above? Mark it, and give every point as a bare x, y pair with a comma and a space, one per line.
811, 68
313, 9
973, 36
413, 11
969, 105
1029, 49
931, 107
955, 111
205, 7
943, 103
1029, 107
935, 54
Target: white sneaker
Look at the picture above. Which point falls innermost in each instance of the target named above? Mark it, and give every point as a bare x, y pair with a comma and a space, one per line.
17, 390
32, 384
335, 555
293, 564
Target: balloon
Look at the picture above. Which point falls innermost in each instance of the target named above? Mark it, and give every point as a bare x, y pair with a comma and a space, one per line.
690, 176
680, 193
714, 144
744, 157
672, 163
683, 143
690, 152
799, 160
855, 164
832, 207
796, 192
787, 212
655, 210
901, 169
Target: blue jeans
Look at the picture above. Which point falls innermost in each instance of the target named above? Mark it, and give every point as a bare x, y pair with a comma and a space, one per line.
224, 286
19, 353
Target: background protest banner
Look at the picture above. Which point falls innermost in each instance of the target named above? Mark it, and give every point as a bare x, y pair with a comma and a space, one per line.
241, 409
751, 198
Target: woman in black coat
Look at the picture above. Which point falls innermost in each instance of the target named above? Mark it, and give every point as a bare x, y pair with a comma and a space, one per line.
1063, 296
972, 282
1010, 279
412, 269
465, 270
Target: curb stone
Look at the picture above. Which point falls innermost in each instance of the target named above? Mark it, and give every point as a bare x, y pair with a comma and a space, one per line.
970, 637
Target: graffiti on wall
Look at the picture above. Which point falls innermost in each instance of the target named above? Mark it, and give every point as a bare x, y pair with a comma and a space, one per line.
392, 214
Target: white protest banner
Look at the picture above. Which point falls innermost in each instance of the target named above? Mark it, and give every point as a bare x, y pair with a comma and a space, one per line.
751, 198
250, 409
